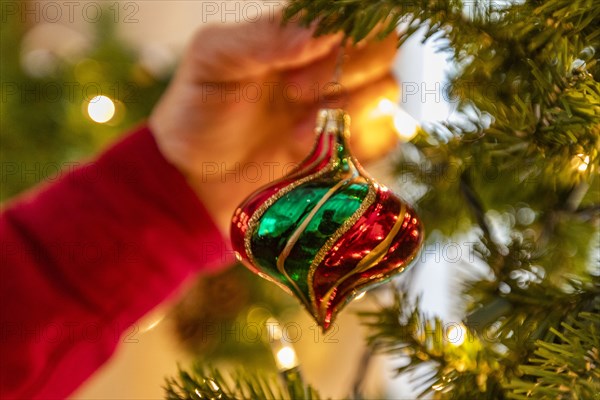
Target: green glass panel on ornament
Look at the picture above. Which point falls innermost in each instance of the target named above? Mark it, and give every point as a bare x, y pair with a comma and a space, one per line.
326, 221
281, 219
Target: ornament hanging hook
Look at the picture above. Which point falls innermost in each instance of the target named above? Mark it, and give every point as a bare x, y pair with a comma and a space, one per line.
339, 63
336, 96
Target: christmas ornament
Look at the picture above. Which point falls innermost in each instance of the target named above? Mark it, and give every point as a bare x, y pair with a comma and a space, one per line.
327, 231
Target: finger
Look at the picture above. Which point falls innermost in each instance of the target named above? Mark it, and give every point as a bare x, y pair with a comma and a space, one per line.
237, 51
364, 63
368, 61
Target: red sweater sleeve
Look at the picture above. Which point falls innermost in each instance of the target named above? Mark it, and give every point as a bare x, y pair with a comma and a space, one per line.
85, 257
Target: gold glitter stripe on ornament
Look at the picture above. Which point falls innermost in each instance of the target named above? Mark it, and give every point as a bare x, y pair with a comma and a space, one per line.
367, 202
254, 219
370, 259
299, 230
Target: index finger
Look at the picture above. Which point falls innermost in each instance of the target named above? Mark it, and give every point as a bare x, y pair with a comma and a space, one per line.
227, 52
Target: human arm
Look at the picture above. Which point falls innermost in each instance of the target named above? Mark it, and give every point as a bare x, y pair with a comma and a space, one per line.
149, 232
85, 257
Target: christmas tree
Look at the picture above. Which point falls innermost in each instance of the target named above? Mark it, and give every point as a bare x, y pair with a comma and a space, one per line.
520, 169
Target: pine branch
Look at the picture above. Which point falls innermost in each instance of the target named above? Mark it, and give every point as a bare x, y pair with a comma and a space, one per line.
209, 383
567, 368
469, 370
529, 65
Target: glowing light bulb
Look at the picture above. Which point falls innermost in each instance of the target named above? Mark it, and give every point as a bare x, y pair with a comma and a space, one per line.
406, 126
584, 162
456, 334
101, 109
386, 106
286, 358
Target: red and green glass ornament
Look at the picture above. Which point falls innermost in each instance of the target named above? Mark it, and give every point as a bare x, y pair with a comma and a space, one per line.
327, 231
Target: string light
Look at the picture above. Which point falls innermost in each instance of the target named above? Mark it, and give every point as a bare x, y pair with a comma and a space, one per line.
101, 109
386, 106
456, 334
406, 126
584, 162
286, 358
283, 351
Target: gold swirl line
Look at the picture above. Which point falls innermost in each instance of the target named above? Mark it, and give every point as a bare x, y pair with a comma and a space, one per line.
370, 259
342, 229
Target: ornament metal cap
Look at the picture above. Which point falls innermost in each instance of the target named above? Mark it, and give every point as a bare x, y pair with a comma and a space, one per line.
333, 120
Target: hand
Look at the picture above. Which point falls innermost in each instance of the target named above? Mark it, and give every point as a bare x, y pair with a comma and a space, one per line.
242, 105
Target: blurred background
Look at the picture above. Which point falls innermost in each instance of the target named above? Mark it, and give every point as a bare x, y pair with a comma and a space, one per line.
78, 75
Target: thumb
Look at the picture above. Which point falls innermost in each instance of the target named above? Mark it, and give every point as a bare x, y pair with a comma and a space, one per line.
234, 52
